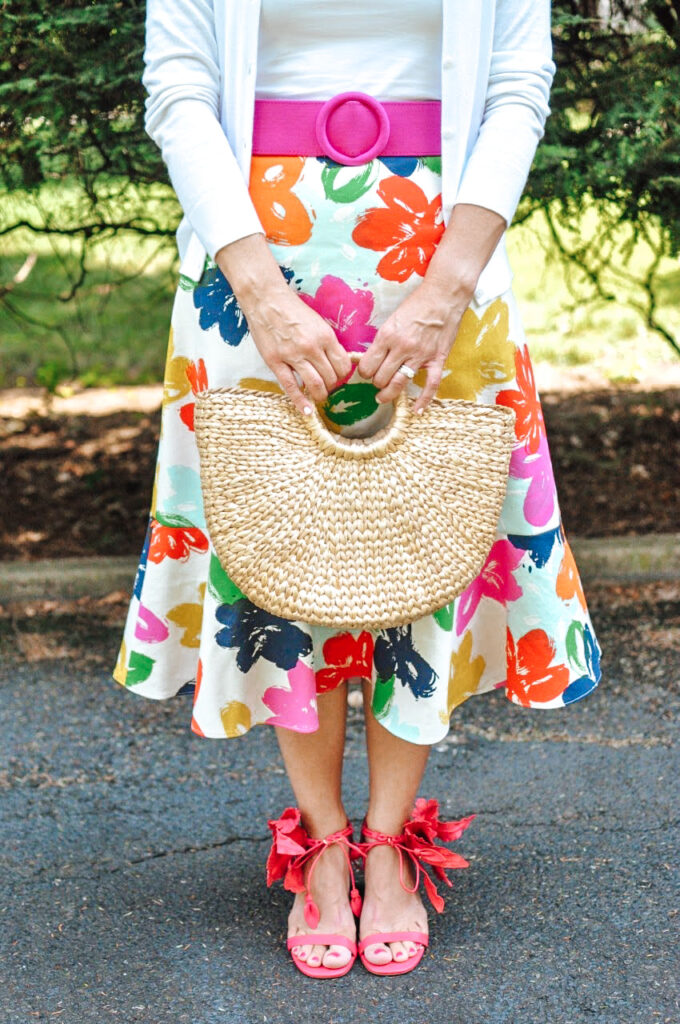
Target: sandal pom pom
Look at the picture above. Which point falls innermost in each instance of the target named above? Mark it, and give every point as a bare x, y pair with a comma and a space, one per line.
312, 915
355, 902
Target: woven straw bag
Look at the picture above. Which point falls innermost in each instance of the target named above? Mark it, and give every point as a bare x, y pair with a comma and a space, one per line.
351, 532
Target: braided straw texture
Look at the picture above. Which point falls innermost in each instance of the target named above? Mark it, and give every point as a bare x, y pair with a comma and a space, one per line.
356, 532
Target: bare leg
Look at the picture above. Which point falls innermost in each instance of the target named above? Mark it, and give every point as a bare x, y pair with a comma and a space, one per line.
314, 765
396, 769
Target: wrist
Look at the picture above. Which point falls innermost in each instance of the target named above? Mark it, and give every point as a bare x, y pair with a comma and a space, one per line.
452, 286
250, 269
470, 238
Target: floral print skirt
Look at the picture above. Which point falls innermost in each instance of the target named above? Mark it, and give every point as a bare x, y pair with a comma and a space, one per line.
352, 242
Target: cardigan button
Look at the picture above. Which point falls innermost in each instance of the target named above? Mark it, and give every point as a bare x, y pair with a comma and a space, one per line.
447, 63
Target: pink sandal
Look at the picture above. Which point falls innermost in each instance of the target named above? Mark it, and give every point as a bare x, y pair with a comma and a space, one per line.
417, 843
292, 847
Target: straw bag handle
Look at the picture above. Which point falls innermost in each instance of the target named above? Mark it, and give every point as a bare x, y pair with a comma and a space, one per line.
362, 447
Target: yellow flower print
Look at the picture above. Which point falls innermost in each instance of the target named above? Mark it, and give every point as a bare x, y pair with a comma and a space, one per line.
465, 673
154, 493
189, 617
120, 671
482, 354
176, 383
257, 384
236, 718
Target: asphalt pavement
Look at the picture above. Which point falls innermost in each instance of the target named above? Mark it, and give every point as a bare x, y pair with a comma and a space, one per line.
133, 851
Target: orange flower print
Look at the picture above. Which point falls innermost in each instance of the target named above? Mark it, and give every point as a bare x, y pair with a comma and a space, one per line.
197, 375
409, 229
568, 583
531, 678
529, 424
345, 656
195, 727
282, 215
176, 542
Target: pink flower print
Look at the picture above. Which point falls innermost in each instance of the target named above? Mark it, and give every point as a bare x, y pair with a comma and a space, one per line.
495, 581
149, 628
294, 706
539, 502
346, 310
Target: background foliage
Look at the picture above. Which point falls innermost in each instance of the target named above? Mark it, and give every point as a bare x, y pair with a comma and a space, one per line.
613, 140
80, 177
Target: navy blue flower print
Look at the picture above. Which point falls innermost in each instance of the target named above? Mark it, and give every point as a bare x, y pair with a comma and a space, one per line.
591, 653
394, 654
217, 304
258, 634
188, 690
539, 545
404, 166
141, 568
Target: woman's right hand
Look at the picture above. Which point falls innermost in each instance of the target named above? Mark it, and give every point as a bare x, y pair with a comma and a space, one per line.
290, 336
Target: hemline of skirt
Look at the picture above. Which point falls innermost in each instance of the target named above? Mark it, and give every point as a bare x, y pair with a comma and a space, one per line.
187, 689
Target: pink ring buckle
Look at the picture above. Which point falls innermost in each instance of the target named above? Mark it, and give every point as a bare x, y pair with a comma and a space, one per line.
347, 127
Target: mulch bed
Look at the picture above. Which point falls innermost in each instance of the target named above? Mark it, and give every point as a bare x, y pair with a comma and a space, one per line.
81, 485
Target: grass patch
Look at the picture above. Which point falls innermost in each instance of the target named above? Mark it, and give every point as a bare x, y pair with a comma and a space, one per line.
607, 335
115, 329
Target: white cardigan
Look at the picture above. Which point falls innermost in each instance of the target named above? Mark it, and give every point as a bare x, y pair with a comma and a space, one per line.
200, 71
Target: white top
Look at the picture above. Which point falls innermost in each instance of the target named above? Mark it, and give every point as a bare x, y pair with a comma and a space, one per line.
200, 73
313, 49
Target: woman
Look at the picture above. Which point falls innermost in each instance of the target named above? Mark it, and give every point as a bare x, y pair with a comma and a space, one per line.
371, 223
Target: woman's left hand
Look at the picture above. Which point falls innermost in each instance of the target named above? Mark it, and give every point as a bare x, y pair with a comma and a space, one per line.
419, 333
423, 328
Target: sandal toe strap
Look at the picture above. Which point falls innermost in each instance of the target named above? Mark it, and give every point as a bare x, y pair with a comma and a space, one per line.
380, 938
322, 940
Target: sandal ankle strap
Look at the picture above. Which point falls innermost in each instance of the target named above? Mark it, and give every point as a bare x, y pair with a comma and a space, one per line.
415, 843
293, 848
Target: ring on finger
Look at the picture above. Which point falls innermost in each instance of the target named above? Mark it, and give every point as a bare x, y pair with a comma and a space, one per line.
406, 370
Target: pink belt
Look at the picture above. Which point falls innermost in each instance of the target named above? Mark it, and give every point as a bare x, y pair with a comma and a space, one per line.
351, 128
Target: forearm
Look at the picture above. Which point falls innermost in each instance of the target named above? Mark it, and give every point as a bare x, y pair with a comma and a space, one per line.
472, 234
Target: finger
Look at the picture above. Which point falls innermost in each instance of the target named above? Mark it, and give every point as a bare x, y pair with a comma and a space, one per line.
313, 382
340, 361
372, 358
394, 358
325, 369
290, 386
430, 388
396, 384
